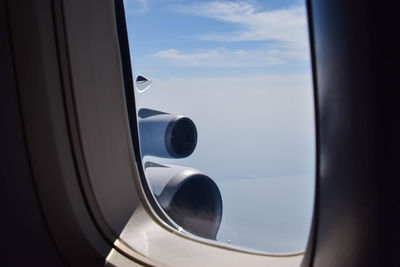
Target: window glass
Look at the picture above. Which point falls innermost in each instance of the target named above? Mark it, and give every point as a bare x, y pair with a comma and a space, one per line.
224, 100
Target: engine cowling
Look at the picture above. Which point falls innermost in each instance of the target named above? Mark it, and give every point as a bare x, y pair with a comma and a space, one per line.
189, 197
166, 135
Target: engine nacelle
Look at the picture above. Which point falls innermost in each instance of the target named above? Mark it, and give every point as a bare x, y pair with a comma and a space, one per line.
189, 197
166, 135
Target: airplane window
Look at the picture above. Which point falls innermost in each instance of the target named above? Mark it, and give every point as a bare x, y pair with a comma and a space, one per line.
224, 100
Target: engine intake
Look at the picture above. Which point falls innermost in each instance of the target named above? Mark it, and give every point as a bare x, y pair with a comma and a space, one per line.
166, 135
189, 197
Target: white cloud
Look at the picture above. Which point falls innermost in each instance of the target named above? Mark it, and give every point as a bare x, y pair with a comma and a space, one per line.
233, 58
288, 24
281, 102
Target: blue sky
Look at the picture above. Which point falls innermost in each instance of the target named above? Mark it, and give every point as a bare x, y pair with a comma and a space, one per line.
241, 71
217, 37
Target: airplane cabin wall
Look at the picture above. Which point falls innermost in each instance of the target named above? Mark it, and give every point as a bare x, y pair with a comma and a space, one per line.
25, 238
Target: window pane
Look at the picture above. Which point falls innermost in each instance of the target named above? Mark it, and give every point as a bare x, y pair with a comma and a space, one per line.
224, 100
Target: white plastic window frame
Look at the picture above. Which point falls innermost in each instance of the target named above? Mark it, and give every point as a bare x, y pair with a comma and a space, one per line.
110, 173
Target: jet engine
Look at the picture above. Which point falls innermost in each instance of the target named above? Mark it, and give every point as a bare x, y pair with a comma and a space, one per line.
165, 135
190, 198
